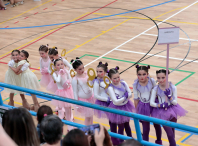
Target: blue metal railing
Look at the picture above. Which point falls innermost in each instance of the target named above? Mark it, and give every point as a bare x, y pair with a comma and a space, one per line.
136, 117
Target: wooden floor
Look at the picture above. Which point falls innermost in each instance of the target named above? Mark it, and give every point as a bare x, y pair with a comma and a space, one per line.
119, 40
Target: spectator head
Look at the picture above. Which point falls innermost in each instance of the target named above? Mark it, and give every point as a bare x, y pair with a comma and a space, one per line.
52, 129
131, 142
43, 111
75, 137
19, 125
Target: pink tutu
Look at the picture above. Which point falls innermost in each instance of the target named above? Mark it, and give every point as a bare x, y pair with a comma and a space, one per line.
52, 87
85, 111
67, 93
45, 79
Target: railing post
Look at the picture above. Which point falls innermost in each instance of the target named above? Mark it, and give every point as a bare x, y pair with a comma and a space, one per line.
1, 101
138, 130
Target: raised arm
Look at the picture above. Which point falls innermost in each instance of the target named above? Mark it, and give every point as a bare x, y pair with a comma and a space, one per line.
96, 89
75, 88
57, 78
114, 98
67, 63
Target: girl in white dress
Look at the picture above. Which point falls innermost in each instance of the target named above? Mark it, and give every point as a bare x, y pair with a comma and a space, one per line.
44, 62
28, 78
82, 91
63, 81
12, 78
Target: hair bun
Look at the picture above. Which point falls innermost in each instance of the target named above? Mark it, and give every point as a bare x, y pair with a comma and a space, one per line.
117, 68
100, 63
137, 66
71, 60
77, 58
148, 67
106, 64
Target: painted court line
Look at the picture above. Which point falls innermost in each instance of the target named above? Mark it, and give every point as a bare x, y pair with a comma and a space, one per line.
53, 31
141, 33
154, 55
25, 12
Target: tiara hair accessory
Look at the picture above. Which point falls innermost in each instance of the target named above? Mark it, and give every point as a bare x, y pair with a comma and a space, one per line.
45, 115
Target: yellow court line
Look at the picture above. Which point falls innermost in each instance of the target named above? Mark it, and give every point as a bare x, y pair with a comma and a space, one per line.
14, 102
81, 119
103, 32
185, 136
147, 19
171, 11
25, 12
42, 35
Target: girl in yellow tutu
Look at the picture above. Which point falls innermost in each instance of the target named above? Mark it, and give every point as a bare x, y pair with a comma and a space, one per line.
28, 78
13, 79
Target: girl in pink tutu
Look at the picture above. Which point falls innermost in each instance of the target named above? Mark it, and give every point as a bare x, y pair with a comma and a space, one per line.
120, 95
82, 91
169, 110
44, 62
63, 81
53, 55
142, 88
102, 98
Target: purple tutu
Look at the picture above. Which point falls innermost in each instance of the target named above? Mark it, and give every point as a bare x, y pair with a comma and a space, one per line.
119, 119
173, 111
144, 108
99, 113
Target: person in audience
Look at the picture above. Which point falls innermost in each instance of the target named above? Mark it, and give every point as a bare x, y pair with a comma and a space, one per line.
19, 125
2, 5
43, 111
131, 142
52, 130
76, 137
5, 140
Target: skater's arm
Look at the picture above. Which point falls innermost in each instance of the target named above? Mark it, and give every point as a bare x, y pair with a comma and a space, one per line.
75, 88
57, 78
117, 100
153, 96
67, 64
128, 89
173, 99
96, 89
136, 99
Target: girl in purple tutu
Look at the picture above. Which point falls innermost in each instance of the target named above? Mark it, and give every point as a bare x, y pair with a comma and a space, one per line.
63, 80
82, 91
120, 95
102, 98
169, 110
44, 62
142, 88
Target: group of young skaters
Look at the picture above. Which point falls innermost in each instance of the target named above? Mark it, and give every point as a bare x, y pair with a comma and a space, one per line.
107, 90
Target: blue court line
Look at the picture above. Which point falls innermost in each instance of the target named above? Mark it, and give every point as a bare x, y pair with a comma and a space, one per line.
41, 97
91, 18
192, 133
186, 138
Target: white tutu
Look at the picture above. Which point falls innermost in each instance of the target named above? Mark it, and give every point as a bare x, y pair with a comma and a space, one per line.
13, 79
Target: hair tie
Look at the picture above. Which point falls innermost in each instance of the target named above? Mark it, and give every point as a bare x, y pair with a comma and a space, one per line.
107, 71
100, 63
116, 68
45, 115
138, 66
73, 61
47, 45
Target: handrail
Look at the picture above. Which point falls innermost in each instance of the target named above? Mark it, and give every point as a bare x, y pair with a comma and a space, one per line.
136, 117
